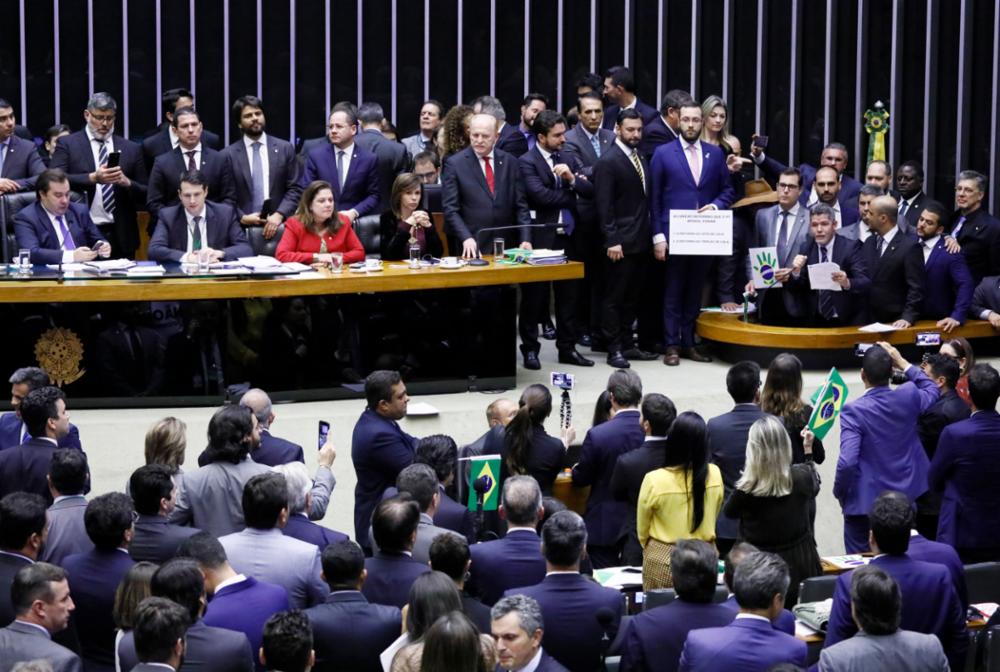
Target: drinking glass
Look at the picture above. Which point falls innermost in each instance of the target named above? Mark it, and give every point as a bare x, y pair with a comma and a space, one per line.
415, 256
336, 262
498, 248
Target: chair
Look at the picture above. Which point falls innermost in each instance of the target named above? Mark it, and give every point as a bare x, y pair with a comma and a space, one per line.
983, 582
260, 244
369, 232
10, 205
817, 589
662, 596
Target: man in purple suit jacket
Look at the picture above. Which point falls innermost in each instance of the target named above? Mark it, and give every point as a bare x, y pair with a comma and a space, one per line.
12, 428
55, 230
749, 643
948, 283
686, 175
272, 451
966, 467
392, 570
879, 446
298, 525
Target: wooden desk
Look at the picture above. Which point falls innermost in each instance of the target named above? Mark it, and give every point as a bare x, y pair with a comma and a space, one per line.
817, 638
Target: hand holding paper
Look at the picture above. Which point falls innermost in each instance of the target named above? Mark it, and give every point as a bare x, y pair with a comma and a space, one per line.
821, 276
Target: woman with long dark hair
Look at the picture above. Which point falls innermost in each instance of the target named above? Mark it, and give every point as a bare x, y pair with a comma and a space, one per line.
782, 398
454, 644
961, 350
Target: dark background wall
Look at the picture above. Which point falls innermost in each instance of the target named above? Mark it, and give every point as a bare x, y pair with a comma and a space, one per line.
802, 71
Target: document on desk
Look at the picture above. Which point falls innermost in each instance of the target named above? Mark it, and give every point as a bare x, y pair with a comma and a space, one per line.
877, 328
819, 276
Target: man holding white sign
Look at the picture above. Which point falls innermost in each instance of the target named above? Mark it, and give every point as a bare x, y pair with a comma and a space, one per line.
688, 174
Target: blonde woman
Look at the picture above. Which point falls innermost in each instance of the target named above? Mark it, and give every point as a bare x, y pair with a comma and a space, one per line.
773, 497
166, 442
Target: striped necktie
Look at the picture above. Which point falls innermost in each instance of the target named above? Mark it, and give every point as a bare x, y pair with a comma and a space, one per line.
107, 190
638, 168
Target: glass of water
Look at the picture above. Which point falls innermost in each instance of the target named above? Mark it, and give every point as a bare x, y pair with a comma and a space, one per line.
336, 262
24, 261
498, 248
415, 255
204, 259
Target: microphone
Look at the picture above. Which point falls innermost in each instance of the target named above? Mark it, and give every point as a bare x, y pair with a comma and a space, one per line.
479, 261
482, 485
606, 619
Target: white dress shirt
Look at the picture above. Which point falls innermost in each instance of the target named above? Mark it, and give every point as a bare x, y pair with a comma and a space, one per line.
197, 156
67, 256
928, 246
348, 151
793, 213
887, 238
265, 165
97, 211
493, 165
174, 139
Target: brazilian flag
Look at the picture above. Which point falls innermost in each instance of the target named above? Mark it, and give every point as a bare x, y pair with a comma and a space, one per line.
487, 468
827, 402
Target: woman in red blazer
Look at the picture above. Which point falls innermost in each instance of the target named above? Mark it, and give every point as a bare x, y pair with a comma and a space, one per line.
317, 230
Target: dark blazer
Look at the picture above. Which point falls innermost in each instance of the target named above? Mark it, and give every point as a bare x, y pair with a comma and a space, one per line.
912, 215
748, 644
169, 241
10, 433
548, 196
569, 603
67, 533
391, 157
283, 171
673, 186
545, 664
470, 207
849, 187
980, 241
948, 285
512, 141
922, 548
93, 578
544, 460
626, 480
654, 639
165, 179
157, 539
245, 607
25, 468
897, 279
274, 451
300, 527
75, 155
621, 202
379, 451
655, 132
208, 650
35, 231
785, 622
158, 142
510, 562
454, 516
578, 144
361, 188
390, 576
966, 467
601, 449
477, 612
10, 564
727, 449
986, 297
21, 163
349, 633
948, 408
850, 304
646, 111
920, 584
395, 241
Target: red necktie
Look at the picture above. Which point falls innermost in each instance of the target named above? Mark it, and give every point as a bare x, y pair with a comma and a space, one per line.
489, 174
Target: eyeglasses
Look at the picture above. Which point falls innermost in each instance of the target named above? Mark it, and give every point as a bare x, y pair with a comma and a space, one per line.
783, 186
103, 118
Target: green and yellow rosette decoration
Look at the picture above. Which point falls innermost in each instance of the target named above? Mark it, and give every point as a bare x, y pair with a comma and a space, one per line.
876, 125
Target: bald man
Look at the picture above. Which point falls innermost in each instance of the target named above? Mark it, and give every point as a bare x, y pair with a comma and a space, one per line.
895, 264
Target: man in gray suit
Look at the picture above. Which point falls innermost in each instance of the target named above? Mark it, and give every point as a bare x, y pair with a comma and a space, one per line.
263, 552
431, 116
69, 476
880, 644
156, 539
42, 603
421, 483
160, 627
860, 230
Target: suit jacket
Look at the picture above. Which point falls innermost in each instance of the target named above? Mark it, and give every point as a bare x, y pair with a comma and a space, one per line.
912, 215
379, 451
902, 650
10, 564
985, 298
165, 179
391, 157
414, 144
674, 188
11, 428
477, 612
626, 480
300, 527
785, 622
897, 279
93, 578
727, 449
948, 285
765, 234
510, 562
468, 204
850, 304
512, 141
455, 517
67, 534
273, 451
966, 466
544, 459
948, 408
549, 196
25, 468
21, 642
655, 132
748, 644
920, 584
74, 154
620, 198
646, 111
208, 650
603, 445
361, 187
21, 163
169, 241
980, 241
879, 446
390, 576
283, 173
938, 553
156, 539
272, 557
158, 143
849, 187
578, 144
211, 497
36, 232
655, 638
349, 633
569, 603
245, 607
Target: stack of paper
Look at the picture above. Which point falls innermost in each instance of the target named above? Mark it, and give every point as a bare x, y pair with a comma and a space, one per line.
151, 270
877, 328
260, 261
546, 257
108, 265
847, 561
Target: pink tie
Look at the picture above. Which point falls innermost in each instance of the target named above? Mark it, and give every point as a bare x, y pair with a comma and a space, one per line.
695, 162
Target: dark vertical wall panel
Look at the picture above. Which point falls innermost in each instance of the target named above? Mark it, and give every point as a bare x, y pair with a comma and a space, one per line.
10, 56
377, 38
144, 99
275, 16
744, 72
444, 26
73, 59
982, 71
943, 185
677, 39
543, 51
910, 123
108, 50
510, 63
644, 49
176, 55
576, 47
410, 62
39, 56
310, 70
209, 60
776, 84
812, 62
844, 81
476, 50
243, 50
710, 48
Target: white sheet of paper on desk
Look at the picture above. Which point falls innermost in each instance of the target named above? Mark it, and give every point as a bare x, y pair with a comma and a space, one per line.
877, 328
110, 264
67, 268
421, 408
804, 630
297, 267
819, 276
260, 261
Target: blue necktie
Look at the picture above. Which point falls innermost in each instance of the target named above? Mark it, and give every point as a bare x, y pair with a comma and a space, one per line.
597, 145
783, 238
107, 190
257, 175
340, 168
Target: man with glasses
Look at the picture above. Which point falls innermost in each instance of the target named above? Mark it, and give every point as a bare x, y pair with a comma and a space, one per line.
427, 166
976, 230
109, 169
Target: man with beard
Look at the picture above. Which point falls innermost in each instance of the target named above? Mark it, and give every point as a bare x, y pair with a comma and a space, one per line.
826, 189
948, 284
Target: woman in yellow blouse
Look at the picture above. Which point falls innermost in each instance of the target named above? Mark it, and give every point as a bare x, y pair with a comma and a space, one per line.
679, 501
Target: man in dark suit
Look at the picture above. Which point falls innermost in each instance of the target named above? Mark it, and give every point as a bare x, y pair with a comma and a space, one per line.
948, 284
25, 528
164, 137
578, 612
966, 466
69, 479
379, 448
833, 155
532, 105
655, 638
664, 127
879, 174
481, 188
263, 168
42, 603
657, 414
94, 576
861, 229
727, 439
619, 89
19, 162
55, 230
12, 428
508, 138
350, 169
298, 525
686, 175
515, 559
272, 450
518, 628
977, 231
602, 447
922, 548
115, 193
155, 538
392, 570
920, 584
348, 631
191, 154
553, 183
910, 186
986, 301
784, 621
391, 156
449, 554
287, 643
895, 266
160, 634
197, 227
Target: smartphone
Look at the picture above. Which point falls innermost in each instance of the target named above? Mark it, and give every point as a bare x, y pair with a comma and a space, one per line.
114, 159
760, 141
928, 338
324, 432
861, 348
563, 381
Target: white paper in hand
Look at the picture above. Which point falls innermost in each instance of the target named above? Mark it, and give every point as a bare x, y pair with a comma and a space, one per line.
820, 276
764, 262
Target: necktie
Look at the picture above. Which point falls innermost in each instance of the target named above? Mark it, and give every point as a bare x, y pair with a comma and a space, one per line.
530, 137
565, 214
489, 174
3, 154
826, 308
340, 168
107, 190
903, 207
68, 243
638, 168
879, 244
958, 227
783, 237
695, 162
196, 235
191, 164
257, 175
596, 144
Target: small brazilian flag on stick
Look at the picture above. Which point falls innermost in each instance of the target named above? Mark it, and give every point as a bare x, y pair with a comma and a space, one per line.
487, 468
827, 402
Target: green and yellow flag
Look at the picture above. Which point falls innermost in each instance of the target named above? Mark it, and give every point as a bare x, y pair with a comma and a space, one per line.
485, 467
827, 402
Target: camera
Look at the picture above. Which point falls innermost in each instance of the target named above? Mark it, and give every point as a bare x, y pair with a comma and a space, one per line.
928, 339
861, 348
563, 381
